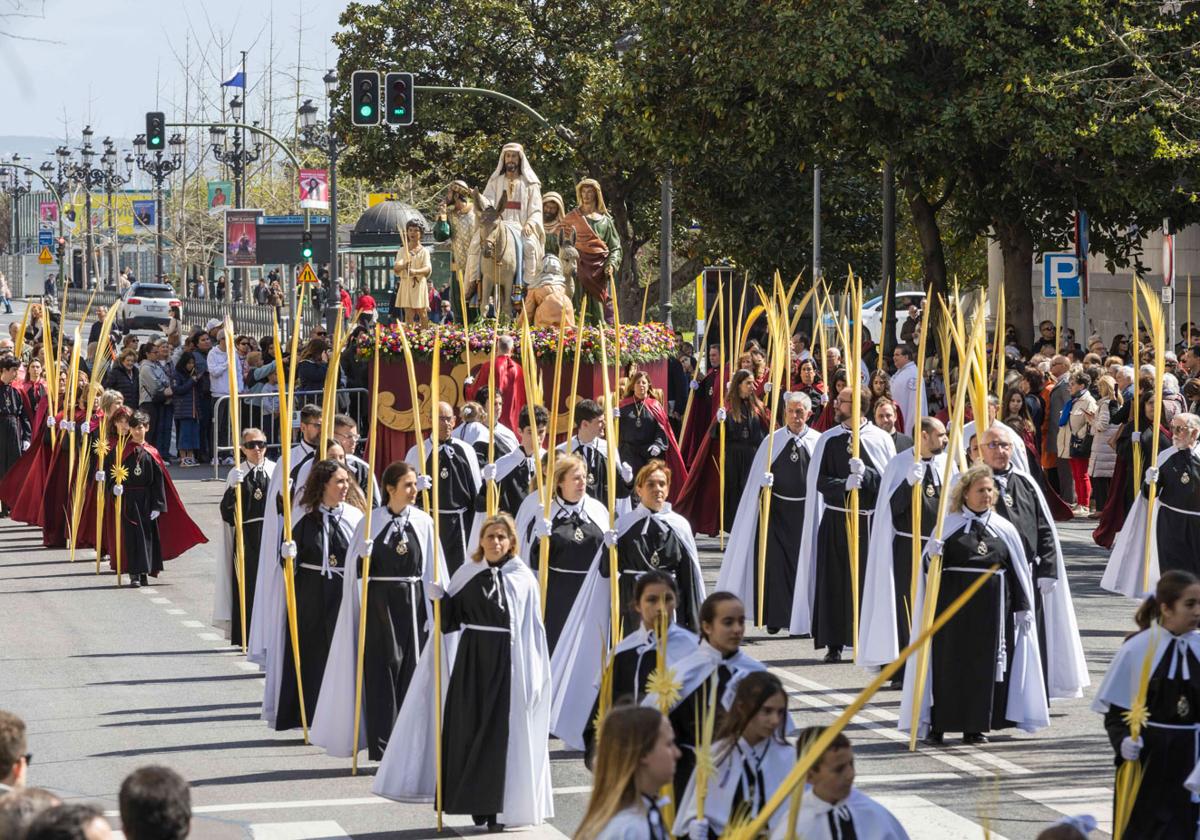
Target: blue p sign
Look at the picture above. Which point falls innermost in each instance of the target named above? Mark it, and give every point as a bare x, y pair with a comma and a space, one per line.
1060, 276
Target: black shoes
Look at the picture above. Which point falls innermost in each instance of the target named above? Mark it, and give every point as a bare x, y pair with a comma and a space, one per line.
144, 580
493, 827
935, 739
833, 655
771, 631
133, 582
974, 738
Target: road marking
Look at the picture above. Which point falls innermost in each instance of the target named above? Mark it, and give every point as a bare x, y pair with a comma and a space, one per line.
248, 666
176, 612
160, 600
296, 830
923, 820
210, 637
1072, 802
192, 623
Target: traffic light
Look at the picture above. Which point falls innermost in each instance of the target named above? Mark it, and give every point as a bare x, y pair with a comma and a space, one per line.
364, 97
306, 246
398, 98
61, 247
156, 131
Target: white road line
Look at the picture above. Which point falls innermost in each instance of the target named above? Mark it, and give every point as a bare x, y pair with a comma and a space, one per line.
175, 612
210, 637
296, 830
248, 666
191, 622
160, 600
1072, 802
923, 820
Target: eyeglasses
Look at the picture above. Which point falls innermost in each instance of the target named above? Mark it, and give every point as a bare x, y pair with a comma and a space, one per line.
997, 444
255, 444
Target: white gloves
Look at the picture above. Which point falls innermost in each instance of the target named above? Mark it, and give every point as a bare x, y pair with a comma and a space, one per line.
854, 481
768, 480
288, 550
50, 424
698, 830
237, 474
767, 386
610, 538
154, 514
100, 476
470, 380
424, 482
616, 412
119, 490
541, 528
24, 446
693, 385
488, 472
368, 547
916, 473
1136, 437
1131, 748
857, 467
67, 425
85, 427
435, 591
1046, 585
1151, 476
936, 547
655, 450
824, 399
721, 415
1023, 620
626, 472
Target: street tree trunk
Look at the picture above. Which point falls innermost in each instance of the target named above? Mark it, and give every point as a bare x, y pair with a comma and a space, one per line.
1016, 247
924, 217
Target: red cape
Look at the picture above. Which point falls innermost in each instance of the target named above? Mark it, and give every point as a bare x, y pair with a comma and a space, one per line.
56, 501
1112, 515
510, 382
22, 489
674, 459
704, 409
700, 499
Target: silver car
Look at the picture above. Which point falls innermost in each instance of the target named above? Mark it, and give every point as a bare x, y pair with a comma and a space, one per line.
147, 306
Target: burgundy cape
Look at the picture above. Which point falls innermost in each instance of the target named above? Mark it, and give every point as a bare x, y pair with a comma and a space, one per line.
704, 411
1120, 499
25, 483
700, 498
679, 471
56, 502
510, 382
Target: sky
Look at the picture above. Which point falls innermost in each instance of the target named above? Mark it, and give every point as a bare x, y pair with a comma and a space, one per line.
106, 62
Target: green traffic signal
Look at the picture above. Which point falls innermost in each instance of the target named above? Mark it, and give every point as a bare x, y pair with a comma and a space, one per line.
154, 141
366, 110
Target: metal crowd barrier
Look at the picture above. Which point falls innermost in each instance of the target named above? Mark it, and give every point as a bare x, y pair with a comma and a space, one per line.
262, 411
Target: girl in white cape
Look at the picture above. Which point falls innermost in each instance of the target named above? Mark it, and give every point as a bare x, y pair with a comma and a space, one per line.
496, 699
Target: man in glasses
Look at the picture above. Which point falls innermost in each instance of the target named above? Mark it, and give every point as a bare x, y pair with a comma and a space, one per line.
1176, 516
14, 755
254, 477
1021, 502
345, 432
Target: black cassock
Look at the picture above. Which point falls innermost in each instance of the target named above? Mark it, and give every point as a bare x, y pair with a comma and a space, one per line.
1178, 534
14, 427
784, 531
1017, 501
742, 438
631, 669
833, 610
456, 502
967, 697
396, 626
254, 506
320, 536
144, 493
474, 756
1164, 809
574, 541
481, 446
513, 487
684, 719
638, 431
649, 545
595, 457
901, 503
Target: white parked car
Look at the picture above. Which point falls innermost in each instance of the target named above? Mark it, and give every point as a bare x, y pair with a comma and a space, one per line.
146, 306
873, 312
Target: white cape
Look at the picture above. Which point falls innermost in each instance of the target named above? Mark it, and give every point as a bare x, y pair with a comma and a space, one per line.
583, 643
333, 721
881, 449
877, 628
531, 510
870, 818
726, 778
1120, 684
699, 665
224, 587
741, 552
904, 392
1027, 707
407, 774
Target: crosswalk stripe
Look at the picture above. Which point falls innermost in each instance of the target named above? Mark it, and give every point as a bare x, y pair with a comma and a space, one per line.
1073, 802
297, 830
923, 820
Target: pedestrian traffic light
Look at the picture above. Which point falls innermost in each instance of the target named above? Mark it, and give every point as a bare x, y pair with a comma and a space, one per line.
156, 131
364, 97
306, 247
398, 98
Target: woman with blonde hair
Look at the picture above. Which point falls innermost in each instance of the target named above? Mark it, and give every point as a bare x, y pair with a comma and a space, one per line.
1104, 434
635, 758
496, 712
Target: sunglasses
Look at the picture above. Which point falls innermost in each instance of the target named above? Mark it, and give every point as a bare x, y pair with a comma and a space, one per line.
255, 444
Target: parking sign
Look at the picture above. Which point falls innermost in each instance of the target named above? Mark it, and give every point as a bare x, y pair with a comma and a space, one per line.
1060, 275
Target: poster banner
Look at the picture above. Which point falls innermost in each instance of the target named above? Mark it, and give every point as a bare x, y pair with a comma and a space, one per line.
48, 211
314, 189
241, 238
74, 211
145, 214
379, 198
219, 195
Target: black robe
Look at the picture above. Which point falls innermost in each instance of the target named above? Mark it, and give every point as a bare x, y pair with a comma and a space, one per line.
574, 541
513, 487
638, 431
15, 428
254, 506
631, 670
784, 531
318, 598
1178, 534
144, 493
901, 504
684, 719
833, 613
396, 628
474, 754
596, 459
1164, 809
457, 500
967, 697
742, 438
649, 545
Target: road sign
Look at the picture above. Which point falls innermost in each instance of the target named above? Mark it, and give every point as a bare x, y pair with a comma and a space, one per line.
1060, 276
45, 257
307, 275
1168, 295
292, 220
45, 238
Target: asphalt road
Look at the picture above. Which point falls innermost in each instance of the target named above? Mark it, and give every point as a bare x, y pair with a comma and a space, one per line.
110, 679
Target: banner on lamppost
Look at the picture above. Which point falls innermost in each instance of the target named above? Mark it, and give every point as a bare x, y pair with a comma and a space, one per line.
48, 211
241, 238
74, 210
145, 214
219, 193
314, 189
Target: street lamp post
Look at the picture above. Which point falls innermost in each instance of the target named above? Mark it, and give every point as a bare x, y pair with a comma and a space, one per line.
112, 181
12, 185
89, 177
318, 135
56, 174
159, 168
237, 159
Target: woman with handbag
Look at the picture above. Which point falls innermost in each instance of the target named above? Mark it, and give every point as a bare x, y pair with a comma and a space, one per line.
1075, 437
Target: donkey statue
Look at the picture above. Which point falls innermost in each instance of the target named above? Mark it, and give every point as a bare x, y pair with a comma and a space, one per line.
499, 253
